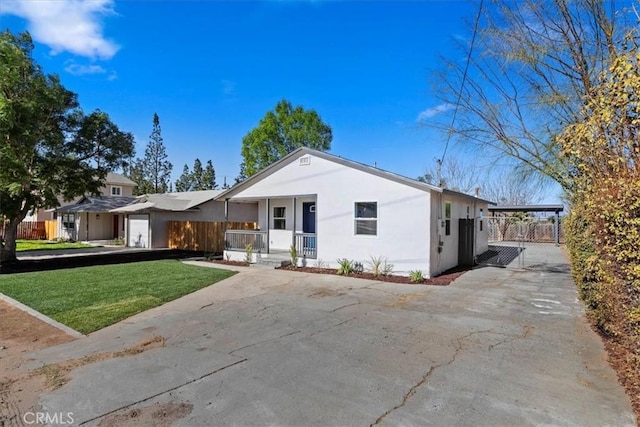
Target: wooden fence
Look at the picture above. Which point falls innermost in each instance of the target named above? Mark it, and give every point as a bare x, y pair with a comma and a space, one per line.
51, 229
200, 235
28, 230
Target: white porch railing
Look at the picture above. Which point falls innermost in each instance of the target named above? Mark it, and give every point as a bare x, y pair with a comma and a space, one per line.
306, 244
237, 240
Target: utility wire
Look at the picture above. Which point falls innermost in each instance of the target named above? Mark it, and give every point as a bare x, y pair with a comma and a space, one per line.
464, 80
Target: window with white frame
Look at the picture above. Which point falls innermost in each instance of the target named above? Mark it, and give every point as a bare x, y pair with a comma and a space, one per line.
116, 190
447, 218
69, 221
366, 219
279, 218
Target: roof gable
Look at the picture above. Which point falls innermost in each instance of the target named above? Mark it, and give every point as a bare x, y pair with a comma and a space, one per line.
303, 151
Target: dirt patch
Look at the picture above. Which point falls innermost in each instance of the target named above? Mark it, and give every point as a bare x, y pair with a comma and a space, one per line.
157, 415
442, 280
229, 262
20, 334
325, 292
57, 374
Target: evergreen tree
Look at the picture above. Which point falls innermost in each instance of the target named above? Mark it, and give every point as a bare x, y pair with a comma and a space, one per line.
156, 167
209, 177
185, 182
197, 175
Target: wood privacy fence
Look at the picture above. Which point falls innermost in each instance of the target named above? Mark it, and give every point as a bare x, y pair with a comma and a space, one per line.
28, 230
201, 235
51, 229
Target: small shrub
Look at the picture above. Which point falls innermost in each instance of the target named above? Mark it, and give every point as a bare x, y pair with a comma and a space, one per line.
293, 252
358, 267
321, 264
416, 276
248, 253
345, 267
378, 266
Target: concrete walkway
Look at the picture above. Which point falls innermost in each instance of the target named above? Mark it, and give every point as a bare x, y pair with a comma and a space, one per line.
496, 347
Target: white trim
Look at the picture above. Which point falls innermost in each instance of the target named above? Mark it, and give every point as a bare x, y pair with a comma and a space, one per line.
113, 187
376, 219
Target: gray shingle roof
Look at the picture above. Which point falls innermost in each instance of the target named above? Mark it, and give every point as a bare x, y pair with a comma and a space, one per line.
175, 202
118, 179
97, 204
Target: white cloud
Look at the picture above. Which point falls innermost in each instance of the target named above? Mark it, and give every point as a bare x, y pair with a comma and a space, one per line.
432, 112
66, 25
82, 70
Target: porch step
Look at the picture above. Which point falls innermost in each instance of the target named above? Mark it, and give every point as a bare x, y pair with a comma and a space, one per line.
273, 260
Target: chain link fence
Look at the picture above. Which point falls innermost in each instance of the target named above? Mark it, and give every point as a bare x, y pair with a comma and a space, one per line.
523, 229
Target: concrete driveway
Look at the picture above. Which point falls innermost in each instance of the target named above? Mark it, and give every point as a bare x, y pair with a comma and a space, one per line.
266, 347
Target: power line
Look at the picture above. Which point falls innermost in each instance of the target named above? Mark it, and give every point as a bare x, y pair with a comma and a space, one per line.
464, 80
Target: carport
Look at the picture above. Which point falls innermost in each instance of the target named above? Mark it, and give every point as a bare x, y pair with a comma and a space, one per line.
501, 211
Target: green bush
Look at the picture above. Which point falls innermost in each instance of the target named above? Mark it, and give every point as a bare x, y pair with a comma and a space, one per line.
345, 267
415, 276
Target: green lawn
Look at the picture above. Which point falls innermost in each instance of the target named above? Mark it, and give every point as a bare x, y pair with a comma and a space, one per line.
45, 245
90, 298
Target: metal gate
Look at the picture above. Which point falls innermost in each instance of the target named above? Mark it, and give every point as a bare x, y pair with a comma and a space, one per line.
515, 228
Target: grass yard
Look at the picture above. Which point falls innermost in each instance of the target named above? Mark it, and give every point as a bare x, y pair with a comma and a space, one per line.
45, 245
90, 298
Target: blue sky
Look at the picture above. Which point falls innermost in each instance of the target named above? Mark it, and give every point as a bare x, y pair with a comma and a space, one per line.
212, 69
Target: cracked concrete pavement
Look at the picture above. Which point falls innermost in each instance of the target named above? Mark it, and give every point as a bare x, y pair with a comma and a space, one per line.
268, 347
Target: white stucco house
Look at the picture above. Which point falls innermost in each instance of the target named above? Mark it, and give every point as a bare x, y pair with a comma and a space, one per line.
147, 217
332, 208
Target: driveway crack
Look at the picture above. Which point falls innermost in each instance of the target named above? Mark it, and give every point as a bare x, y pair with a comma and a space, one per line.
264, 341
425, 377
165, 391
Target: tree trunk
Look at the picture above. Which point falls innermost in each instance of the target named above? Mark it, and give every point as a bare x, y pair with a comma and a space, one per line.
8, 245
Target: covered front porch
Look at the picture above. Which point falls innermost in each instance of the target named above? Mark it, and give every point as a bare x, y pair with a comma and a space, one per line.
283, 223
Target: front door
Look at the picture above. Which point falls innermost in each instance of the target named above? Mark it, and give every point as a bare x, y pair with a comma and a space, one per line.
309, 217
116, 227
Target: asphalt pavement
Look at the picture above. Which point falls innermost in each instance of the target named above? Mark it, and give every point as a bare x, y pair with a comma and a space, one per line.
267, 347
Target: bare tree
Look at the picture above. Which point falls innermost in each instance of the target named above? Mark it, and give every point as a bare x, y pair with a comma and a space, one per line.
453, 174
530, 69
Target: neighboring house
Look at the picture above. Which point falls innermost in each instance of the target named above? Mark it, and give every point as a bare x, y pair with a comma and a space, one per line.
147, 217
89, 217
332, 208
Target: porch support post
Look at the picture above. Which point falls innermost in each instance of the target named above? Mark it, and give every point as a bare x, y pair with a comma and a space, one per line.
293, 235
268, 226
556, 228
87, 227
226, 223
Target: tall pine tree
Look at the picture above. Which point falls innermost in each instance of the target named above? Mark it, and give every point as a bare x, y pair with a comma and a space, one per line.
155, 166
209, 177
185, 182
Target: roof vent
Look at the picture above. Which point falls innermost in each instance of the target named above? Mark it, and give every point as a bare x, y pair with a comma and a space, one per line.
306, 160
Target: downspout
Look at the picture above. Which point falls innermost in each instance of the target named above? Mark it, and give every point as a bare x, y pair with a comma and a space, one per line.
87, 227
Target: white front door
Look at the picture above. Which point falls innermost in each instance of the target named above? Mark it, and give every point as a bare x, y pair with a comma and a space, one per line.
138, 231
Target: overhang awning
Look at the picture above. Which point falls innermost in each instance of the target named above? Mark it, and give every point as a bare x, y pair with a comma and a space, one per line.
527, 208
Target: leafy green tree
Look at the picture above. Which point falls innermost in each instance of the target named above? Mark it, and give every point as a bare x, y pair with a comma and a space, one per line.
209, 177
280, 132
185, 182
49, 147
155, 166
